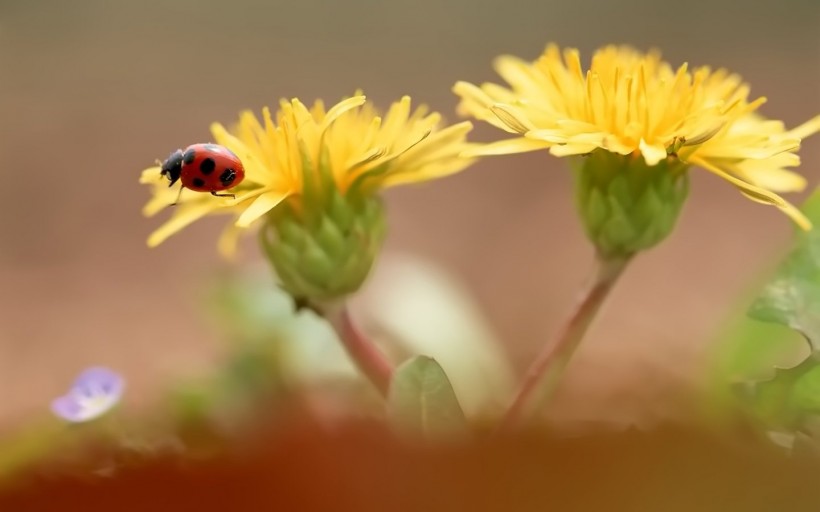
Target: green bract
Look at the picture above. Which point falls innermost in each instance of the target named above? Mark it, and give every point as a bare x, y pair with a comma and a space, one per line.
326, 253
625, 205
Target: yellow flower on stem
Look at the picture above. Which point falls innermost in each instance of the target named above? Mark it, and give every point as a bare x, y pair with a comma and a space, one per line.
303, 155
312, 183
633, 126
630, 104
312, 178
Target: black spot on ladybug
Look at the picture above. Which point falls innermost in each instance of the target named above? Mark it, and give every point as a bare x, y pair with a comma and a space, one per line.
199, 182
227, 176
207, 166
189, 156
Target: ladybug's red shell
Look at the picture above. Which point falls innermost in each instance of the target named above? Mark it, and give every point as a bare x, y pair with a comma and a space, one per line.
210, 168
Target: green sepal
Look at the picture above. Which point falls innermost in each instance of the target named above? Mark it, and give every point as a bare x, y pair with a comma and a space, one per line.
311, 184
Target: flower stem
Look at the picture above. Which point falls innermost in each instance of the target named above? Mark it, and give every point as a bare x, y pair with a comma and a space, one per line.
368, 358
544, 375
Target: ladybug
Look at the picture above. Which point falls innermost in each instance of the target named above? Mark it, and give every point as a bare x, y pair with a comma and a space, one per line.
204, 168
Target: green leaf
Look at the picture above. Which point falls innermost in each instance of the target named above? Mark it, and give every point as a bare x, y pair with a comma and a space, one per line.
421, 400
806, 394
781, 400
781, 395
793, 301
792, 298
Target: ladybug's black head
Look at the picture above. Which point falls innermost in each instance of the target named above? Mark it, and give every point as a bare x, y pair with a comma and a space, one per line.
172, 167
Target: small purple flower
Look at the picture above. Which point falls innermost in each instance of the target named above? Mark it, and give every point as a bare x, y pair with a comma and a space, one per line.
93, 394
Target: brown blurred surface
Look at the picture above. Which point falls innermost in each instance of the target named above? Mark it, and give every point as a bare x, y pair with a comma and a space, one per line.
358, 466
92, 92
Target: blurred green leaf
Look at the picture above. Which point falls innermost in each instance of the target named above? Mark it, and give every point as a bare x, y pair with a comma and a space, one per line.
422, 401
776, 401
807, 388
259, 318
785, 399
772, 332
249, 307
792, 298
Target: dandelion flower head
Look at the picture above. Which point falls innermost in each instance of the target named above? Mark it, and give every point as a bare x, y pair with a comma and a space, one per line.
299, 153
633, 103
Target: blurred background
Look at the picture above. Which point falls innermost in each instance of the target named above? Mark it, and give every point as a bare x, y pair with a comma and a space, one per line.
94, 91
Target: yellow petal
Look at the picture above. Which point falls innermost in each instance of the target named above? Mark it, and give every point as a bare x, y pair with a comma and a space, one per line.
517, 73
771, 173
229, 240
572, 149
185, 215
615, 145
395, 120
752, 147
790, 210
152, 175
473, 94
652, 153
810, 127
244, 196
339, 109
512, 117
362, 160
158, 202
758, 194
260, 206
780, 180
441, 144
477, 103
551, 135
437, 169
706, 131
506, 147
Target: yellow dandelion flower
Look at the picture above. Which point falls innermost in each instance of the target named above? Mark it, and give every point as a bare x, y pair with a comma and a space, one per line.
364, 151
314, 174
630, 103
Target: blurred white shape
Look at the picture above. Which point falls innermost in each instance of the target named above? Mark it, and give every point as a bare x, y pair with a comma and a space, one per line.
422, 308
311, 350
408, 307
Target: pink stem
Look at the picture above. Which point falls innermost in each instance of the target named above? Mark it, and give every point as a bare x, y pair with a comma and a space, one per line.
544, 375
370, 360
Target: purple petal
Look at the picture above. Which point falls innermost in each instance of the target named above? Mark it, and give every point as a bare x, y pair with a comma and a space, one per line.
99, 381
94, 392
67, 408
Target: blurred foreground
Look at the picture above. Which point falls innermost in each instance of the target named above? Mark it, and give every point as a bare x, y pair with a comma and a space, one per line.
358, 465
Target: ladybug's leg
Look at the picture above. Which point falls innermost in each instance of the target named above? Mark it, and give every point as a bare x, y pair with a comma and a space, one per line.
178, 196
232, 196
